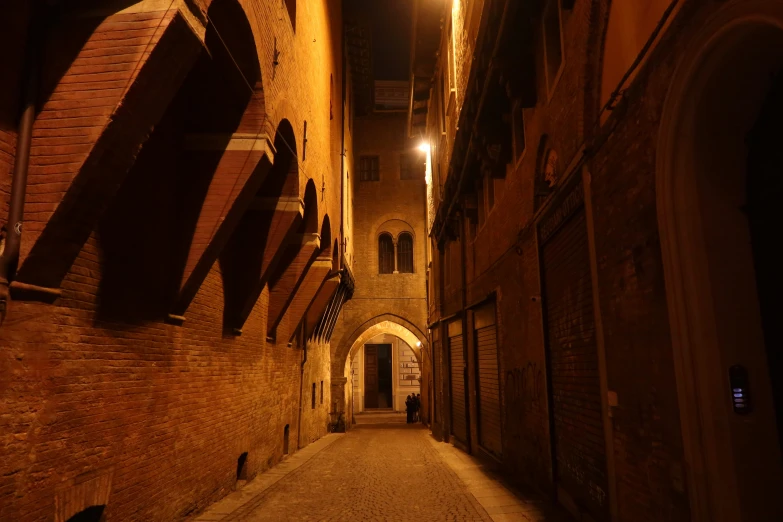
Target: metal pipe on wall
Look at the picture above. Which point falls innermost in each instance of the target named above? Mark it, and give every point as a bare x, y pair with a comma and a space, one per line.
9, 258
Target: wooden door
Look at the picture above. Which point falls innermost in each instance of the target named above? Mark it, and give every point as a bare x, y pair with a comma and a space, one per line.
370, 376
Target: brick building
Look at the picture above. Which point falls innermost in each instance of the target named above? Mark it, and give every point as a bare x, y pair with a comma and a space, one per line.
168, 304
602, 295
390, 264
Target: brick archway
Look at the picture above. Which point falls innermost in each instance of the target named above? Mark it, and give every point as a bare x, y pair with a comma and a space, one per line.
385, 323
393, 323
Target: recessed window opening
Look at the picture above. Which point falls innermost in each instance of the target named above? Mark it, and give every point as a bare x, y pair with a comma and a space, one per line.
242, 467
412, 166
312, 401
405, 253
322, 392
369, 168
91, 514
385, 254
286, 434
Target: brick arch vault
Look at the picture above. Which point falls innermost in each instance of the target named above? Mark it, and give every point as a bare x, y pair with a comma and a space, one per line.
353, 338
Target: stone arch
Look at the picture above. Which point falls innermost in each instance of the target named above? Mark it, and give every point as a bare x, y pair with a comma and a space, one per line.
310, 221
326, 237
375, 226
395, 227
348, 342
387, 327
701, 185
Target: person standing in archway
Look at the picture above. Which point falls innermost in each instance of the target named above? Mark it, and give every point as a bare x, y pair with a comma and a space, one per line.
409, 408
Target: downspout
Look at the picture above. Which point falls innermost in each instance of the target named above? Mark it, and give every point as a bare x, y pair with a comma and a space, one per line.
9, 257
343, 243
301, 389
465, 333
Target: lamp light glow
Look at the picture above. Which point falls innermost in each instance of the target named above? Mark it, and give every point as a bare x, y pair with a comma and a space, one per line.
424, 147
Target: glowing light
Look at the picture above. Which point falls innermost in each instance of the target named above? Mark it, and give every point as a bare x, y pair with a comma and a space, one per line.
424, 147
418, 344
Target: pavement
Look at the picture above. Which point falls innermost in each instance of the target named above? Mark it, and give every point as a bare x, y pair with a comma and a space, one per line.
381, 470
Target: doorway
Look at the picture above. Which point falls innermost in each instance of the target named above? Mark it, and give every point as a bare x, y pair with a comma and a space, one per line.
718, 178
378, 376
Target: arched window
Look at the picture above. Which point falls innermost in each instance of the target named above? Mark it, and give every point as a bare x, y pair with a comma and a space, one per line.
385, 254
405, 253
91, 514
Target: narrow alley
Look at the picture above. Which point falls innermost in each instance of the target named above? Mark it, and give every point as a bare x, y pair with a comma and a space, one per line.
382, 470
399, 260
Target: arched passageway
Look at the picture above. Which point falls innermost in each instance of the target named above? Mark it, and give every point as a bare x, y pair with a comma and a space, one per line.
719, 169
379, 365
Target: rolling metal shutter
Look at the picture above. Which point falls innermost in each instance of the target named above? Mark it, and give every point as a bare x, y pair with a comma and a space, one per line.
489, 431
436, 382
459, 421
578, 430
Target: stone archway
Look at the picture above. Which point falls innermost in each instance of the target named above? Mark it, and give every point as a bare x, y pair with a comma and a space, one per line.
349, 344
716, 315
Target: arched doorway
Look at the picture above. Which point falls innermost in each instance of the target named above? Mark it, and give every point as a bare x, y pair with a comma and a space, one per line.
718, 169
384, 371
406, 355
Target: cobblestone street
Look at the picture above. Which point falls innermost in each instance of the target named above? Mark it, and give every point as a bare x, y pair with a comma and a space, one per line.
389, 472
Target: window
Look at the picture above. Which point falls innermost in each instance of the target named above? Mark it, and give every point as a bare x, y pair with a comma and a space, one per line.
443, 102
553, 44
91, 514
286, 435
322, 392
312, 401
518, 128
411, 166
368, 168
385, 254
405, 253
242, 467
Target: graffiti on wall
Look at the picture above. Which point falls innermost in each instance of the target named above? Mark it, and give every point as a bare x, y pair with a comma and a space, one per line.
525, 391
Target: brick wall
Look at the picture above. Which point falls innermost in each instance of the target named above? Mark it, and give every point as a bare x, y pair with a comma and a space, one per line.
502, 258
390, 205
102, 399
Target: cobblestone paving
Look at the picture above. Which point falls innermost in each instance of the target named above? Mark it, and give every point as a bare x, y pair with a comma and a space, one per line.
374, 473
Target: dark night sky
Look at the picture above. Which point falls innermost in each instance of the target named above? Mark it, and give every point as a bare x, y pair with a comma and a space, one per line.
391, 26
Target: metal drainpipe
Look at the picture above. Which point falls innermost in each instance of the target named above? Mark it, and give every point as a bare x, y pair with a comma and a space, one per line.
301, 390
465, 351
10, 249
342, 138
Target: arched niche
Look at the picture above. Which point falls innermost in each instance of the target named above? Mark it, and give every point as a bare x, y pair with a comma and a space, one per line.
720, 93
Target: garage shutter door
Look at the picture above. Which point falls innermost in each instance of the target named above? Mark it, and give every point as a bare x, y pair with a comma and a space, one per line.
459, 423
436, 382
488, 385
580, 455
